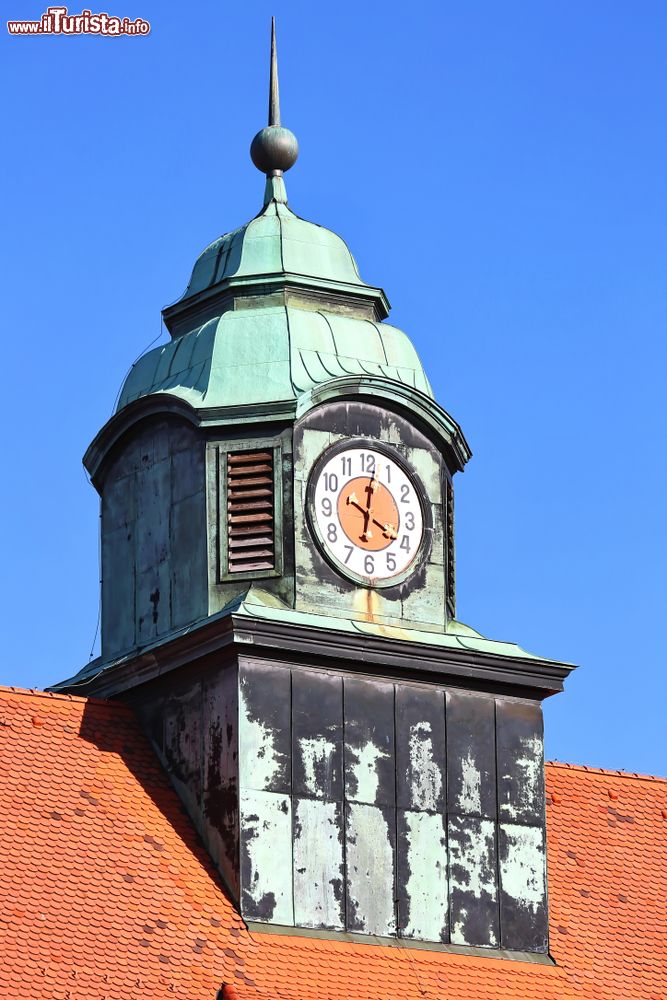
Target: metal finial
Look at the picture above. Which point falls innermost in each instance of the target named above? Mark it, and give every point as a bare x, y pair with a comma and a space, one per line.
274, 149
274, 89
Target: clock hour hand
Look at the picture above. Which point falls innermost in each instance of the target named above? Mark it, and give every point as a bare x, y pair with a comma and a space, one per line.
388, 530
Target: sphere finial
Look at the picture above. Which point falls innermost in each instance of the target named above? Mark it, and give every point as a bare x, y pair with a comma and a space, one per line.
274, 149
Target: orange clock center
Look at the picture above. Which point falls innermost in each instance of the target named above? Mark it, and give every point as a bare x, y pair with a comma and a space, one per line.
368, 513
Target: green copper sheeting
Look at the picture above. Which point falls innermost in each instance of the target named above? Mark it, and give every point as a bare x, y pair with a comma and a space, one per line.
270, 354
275, 242
257, 603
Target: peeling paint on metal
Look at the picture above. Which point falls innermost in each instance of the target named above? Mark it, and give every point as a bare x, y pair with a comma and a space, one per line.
318, 864
470, 799
425, 776
266, 857
259, 760
472, 881
365, 773
522, 874
318, 756
370, 870
527, 778
426, 885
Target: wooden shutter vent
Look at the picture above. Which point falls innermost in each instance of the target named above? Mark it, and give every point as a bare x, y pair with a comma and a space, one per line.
250, 511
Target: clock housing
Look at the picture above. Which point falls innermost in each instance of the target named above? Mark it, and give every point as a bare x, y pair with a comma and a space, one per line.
416, 593
368, 512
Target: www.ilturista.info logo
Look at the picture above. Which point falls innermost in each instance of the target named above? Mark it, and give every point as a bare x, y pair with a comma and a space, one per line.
57, 21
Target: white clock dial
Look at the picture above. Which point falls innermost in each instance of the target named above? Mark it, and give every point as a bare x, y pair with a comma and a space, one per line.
368, 514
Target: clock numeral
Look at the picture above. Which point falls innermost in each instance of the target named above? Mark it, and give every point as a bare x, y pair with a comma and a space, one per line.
332, 534
349, 549
330, 482
347, 465
410, 521
369, 565
405, 493
391, 562
368, 463
405, 543
327, 508
388, 468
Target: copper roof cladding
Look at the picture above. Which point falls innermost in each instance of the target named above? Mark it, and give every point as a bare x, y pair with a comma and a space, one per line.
106, 892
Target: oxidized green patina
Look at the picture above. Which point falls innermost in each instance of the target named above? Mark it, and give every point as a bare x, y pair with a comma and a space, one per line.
269, 346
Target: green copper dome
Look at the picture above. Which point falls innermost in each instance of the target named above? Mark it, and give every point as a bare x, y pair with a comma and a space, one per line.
274, 310
276, 242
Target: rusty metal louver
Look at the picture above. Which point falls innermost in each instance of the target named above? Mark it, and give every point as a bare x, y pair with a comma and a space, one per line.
250, 511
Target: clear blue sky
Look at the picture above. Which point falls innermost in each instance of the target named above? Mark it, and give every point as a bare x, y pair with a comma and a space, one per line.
499, 168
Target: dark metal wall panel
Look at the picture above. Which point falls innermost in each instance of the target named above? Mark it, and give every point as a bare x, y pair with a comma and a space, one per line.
370, 869
420, 748
520, 745
153, 572
318, 864
473, 893
183, 740
264, 727
422, 876
159, 580
266, 857
317, 734
118, 590
369, 741
189, 586
471, 755
220, 769
523, 896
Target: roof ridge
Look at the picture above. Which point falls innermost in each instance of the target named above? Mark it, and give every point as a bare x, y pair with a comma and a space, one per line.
606, 771
58, 696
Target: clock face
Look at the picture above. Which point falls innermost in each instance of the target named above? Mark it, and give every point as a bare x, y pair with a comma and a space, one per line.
367, 514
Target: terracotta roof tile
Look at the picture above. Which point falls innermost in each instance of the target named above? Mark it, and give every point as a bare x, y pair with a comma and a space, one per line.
106, 893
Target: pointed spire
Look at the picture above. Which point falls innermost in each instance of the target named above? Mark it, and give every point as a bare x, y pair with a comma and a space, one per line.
274, 149
274, 89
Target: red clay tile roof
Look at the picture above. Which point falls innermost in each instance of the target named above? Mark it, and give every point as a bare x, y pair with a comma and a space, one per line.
105, 891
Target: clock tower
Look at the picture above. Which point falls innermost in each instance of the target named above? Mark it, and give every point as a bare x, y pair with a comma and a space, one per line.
278, 605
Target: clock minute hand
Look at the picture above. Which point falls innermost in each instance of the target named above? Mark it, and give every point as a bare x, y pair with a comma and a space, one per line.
367, 534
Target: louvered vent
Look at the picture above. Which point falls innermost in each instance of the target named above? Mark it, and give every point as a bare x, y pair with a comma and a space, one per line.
250, 511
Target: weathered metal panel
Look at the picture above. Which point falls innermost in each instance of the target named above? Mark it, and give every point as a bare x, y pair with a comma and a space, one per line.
523, 897
520, 762
153, 576
264, 727
189, 587
220, 768
183, 742
370, 869
473, 895
266, 857
369, 741
118, 502
420, 748
118, 590
152, 601
318, 864
317, 734
471, 755
422, 876
187, 468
